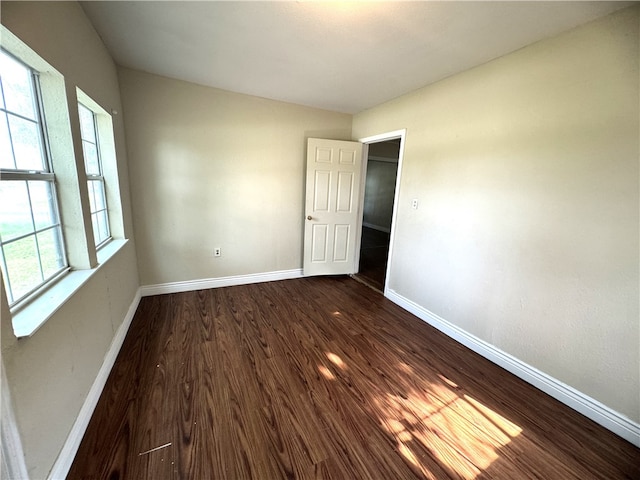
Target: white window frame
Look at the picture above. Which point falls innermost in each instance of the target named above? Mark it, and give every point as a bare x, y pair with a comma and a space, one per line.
45, 175
99, 177
59, 100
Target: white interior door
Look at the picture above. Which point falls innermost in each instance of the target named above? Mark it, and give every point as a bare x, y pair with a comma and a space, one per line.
331, 206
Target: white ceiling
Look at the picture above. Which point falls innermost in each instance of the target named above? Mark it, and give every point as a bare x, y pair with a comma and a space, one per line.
342, 56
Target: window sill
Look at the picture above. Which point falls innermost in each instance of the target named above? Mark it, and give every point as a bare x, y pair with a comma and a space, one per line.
32, 316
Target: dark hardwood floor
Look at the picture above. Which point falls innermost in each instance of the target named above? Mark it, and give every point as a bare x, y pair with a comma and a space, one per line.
374, 250
322, 378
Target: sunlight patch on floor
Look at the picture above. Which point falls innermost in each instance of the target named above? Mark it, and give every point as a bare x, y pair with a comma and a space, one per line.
326, 373
337, 361
435, 422
461, 433
405, 367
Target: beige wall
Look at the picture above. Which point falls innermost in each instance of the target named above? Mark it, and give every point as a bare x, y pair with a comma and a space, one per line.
211, 168
50, 373
526, 235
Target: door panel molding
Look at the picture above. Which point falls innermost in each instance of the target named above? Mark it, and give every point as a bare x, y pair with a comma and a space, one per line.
333, 185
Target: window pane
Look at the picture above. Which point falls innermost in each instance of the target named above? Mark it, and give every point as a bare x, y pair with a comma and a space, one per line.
100, 225
26, 144
22, 266
15, 212
6, 154
87, 127
50, 244
42, 204
103, 226
92, 195
16, 83
96, 228
91, 161
99, 192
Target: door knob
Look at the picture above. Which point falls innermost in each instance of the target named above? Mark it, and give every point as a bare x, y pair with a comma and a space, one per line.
309, 217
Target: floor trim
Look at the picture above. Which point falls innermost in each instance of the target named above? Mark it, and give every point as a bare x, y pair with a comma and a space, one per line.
12, 463
587, 406
190, 285
376, 227
70, 448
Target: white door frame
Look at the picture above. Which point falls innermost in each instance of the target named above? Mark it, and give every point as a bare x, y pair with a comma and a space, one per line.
401, 134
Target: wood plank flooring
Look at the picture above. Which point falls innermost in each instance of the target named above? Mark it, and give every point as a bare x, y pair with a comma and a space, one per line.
323, 378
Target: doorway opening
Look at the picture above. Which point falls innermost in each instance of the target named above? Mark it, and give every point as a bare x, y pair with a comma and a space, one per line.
377, 212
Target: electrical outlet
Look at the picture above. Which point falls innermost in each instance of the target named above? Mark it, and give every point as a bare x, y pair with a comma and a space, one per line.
414, 203
217, 252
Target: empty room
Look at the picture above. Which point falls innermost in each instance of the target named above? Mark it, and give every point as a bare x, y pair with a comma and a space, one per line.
441, 280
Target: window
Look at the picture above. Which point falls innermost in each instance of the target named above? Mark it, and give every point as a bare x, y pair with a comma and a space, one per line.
95, 178
46, 251
32, 249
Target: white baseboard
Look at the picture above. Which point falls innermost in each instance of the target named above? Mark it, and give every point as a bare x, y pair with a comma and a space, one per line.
70, 448
12, 462
587, 406
190, 285
376, 227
